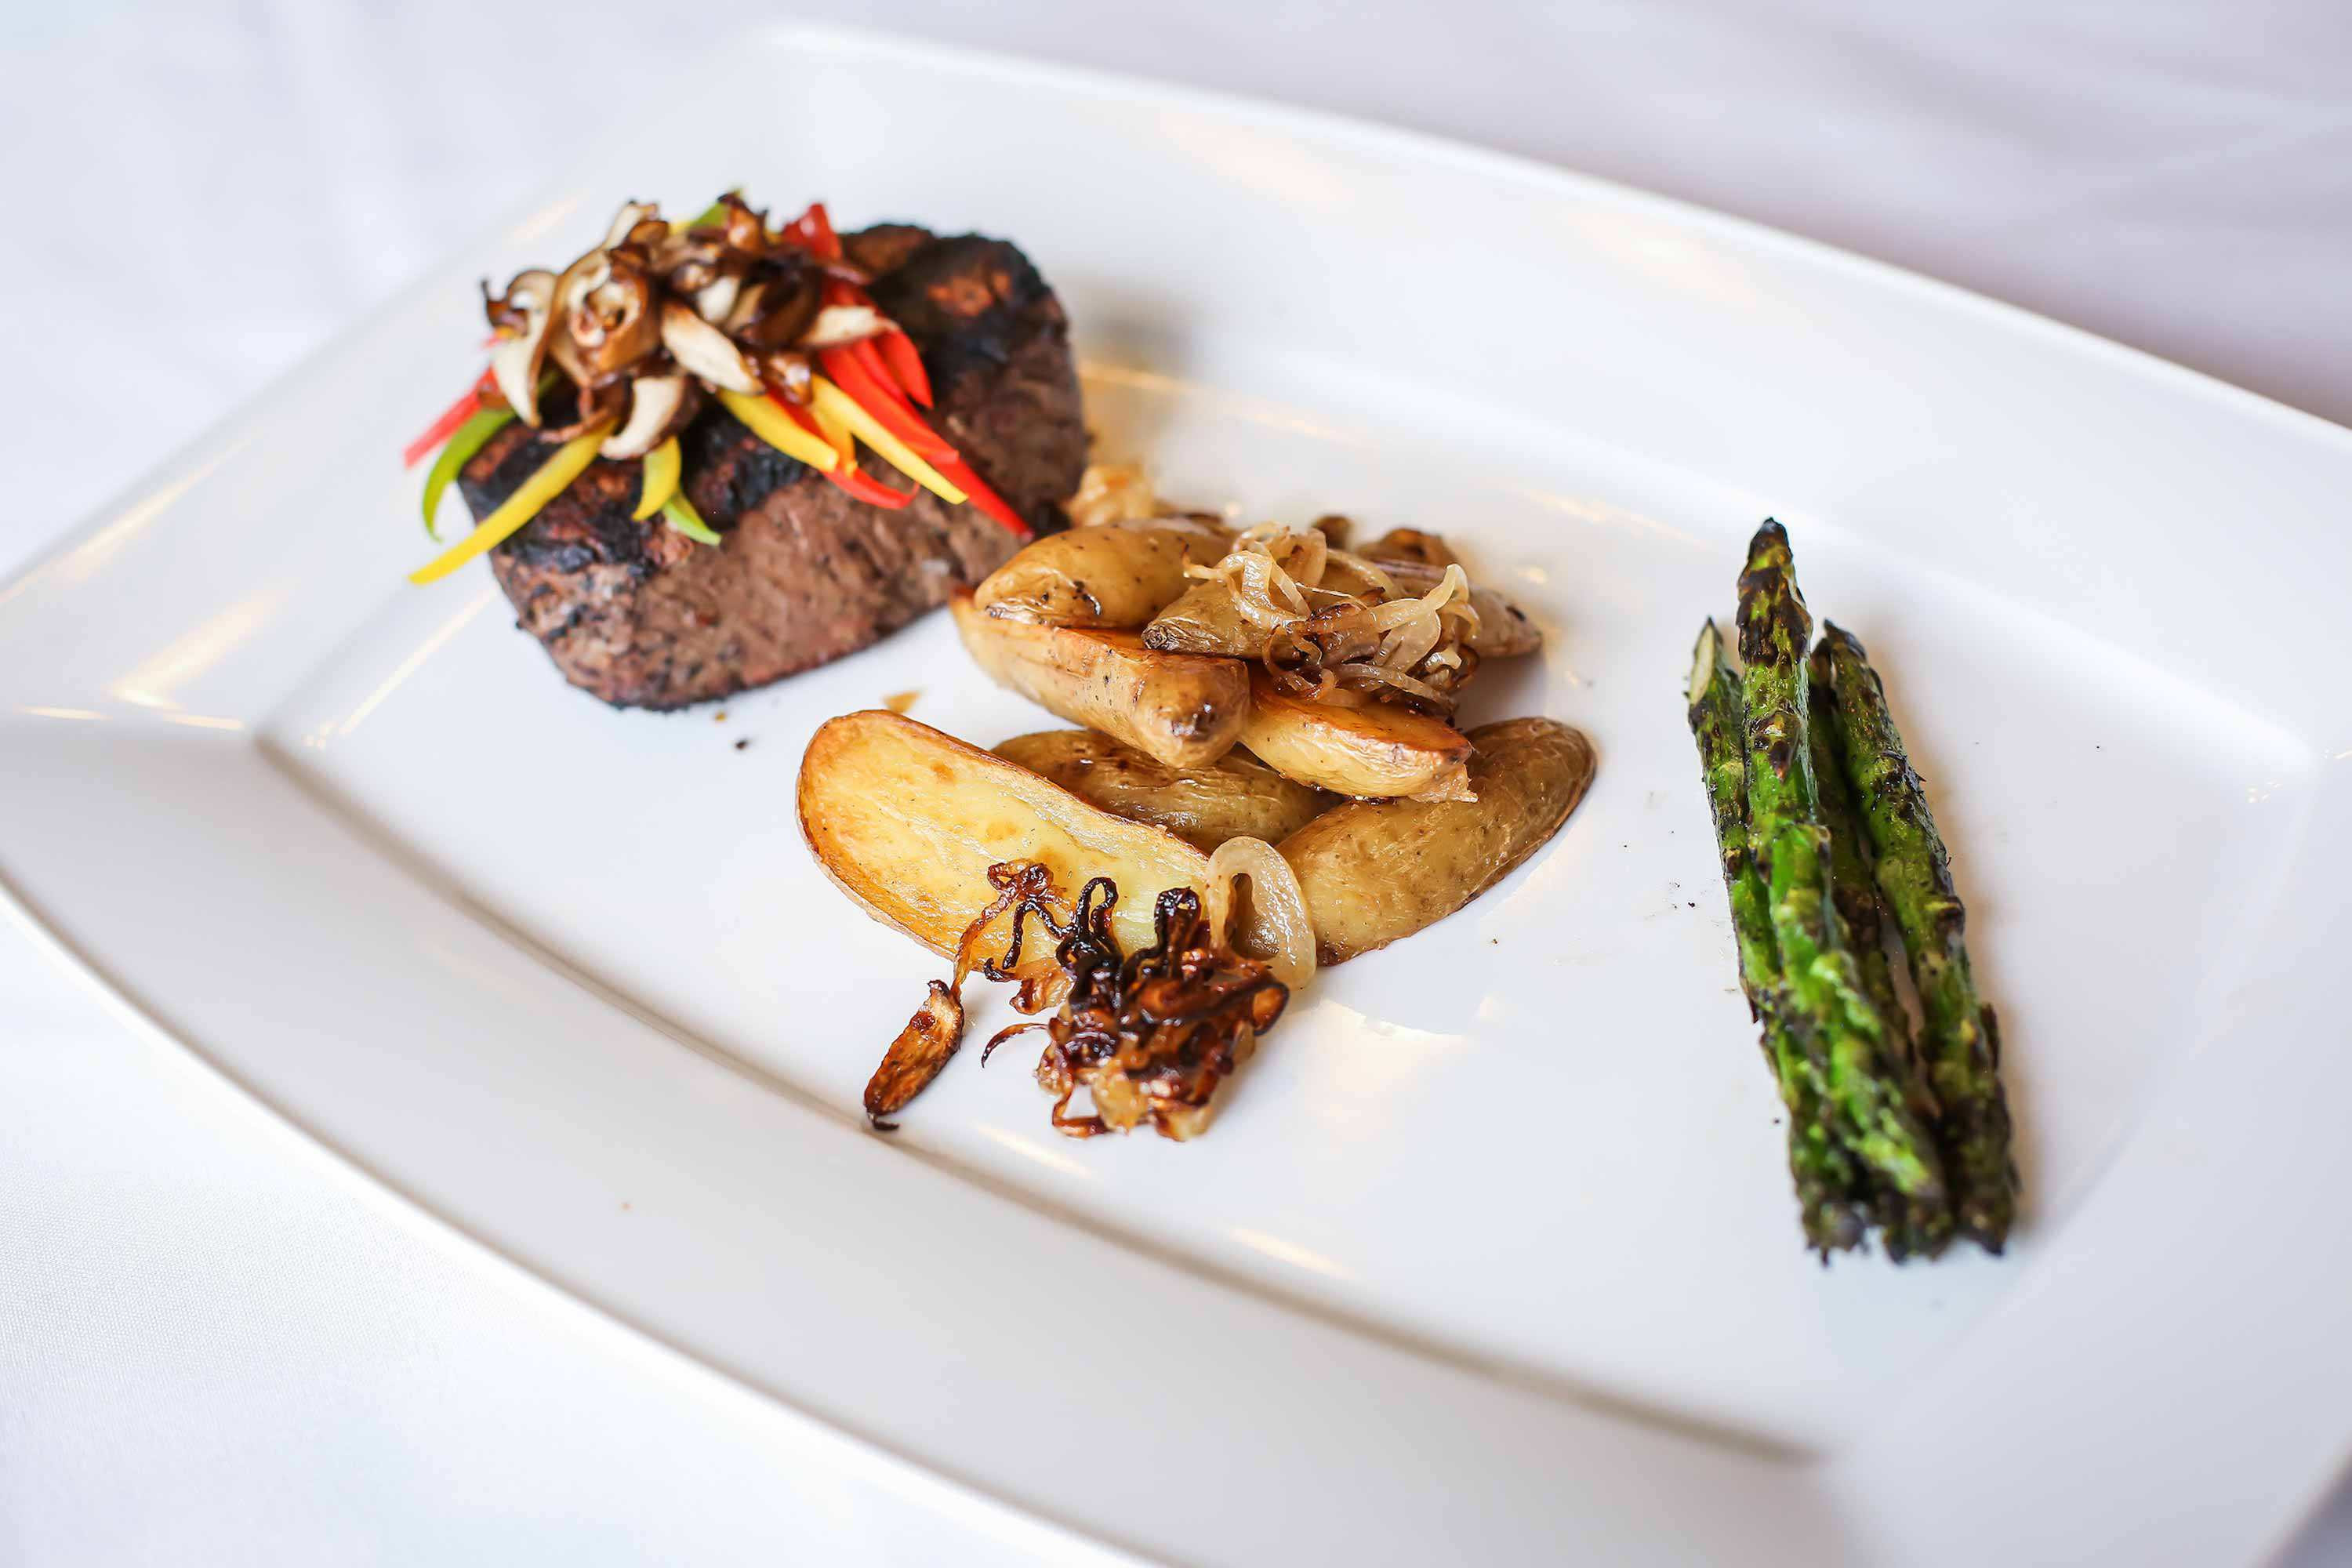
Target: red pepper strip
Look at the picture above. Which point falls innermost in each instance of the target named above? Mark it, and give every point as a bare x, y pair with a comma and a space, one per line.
868, 351
813, 231
850, 372
441, 429
848, 475
889, 358
958, 472
868, 489
906, 366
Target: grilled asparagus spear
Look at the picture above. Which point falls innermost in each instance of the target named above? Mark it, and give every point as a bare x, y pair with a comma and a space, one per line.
1829, 1187
1823, 1003
1909, 1227
1959, 1038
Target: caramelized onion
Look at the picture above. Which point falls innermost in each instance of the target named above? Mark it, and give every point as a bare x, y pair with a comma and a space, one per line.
1326, 643
1280, 934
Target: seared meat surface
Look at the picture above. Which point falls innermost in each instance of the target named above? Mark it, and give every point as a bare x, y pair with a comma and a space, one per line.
638, 616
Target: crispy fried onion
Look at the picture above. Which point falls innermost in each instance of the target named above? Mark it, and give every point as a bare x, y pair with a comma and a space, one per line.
1149, 1035
1340, 630
933, 1035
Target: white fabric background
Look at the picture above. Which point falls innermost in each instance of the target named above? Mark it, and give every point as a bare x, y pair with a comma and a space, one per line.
218, 1346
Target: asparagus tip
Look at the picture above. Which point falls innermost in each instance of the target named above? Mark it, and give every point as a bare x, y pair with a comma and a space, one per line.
1771, 605
1702, 663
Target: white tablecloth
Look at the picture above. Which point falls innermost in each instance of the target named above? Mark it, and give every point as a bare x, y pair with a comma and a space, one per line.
218, 1346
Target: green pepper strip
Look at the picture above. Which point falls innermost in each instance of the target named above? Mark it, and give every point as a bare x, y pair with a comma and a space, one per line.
468, 439
687, 520
715, 214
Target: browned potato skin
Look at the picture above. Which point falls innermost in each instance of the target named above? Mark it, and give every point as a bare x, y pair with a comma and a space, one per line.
1234, 797
1375, 872
907, 821
1378, 751
1177, 708
1204, 619
1114, 577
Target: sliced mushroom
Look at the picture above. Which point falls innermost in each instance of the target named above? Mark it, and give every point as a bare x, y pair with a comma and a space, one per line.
605, 302
652, 401
716, 300
625, 222
787, 304
523, 314
703, 350
836, 325
746, 230
746, 308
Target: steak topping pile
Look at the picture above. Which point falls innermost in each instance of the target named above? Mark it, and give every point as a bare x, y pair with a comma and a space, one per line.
707, 455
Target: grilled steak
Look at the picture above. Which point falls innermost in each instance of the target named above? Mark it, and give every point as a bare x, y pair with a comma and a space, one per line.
639, 615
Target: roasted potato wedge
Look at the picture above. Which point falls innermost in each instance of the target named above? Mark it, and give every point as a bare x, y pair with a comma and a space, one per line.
1234, 797
908, 820
1113, 577
1205, 620
1375, 872
1376, 752
1177, 708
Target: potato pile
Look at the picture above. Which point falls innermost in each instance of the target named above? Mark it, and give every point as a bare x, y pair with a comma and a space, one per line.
1266, 779
1390, 818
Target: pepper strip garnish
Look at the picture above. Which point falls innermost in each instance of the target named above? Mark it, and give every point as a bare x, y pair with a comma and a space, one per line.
849, 475
824, 394
470, 437
571, 461
679, 513
778, 429
660, 479
456, 414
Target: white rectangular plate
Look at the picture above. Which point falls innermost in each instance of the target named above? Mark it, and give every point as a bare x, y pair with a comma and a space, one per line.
1493, 1251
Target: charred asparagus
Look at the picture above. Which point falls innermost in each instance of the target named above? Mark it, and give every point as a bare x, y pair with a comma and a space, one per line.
1822, 999
1959, 1037
1909, 1228
1830, 1185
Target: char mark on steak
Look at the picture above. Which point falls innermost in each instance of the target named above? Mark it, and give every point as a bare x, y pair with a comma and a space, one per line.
640, 616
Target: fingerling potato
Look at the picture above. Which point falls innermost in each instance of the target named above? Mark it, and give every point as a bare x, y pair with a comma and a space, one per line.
1115, 575
1234, 797
1375, 872
1377, 751
907, 821
1180, 710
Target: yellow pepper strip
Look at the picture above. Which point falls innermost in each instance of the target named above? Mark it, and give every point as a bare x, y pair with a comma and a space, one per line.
837, 433
773, 425
662, 465
829, 401
571, 460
